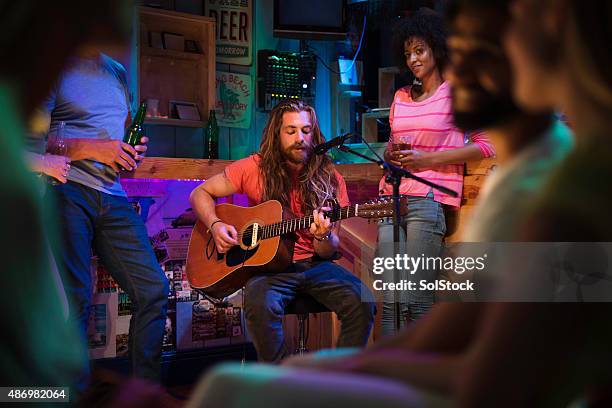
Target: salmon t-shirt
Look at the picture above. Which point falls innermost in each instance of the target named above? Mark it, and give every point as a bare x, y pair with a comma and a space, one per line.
245, 176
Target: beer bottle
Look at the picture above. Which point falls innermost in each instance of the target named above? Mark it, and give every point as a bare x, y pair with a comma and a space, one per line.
134, 133
211, 137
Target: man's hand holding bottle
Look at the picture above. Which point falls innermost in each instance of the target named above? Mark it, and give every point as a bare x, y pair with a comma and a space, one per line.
115, 153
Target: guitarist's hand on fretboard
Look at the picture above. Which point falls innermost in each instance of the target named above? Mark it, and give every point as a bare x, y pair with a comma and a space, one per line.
321, 225
225, 236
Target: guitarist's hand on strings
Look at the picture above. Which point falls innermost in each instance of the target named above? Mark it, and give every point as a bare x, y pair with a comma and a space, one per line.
225, 236
321, 225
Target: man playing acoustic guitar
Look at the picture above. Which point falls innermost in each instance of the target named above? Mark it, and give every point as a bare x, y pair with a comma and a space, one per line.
286, 170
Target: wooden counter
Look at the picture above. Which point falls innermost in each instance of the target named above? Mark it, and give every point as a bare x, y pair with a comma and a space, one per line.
171, 168
361, 179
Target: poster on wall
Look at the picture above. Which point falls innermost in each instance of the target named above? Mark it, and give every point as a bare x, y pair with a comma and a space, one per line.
234, 20
234, 100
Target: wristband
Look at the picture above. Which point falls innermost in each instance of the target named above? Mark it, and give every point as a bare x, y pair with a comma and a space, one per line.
214, 222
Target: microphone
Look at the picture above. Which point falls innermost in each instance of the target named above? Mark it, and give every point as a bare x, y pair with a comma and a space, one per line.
335, 142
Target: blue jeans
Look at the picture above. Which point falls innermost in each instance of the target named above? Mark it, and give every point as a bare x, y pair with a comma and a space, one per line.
108, 224
421, 233
266, 297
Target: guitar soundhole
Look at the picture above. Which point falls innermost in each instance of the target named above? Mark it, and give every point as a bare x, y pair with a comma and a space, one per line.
247, 236
237, 256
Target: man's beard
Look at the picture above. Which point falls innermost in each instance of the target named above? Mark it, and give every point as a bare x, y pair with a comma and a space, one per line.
294, 157
493, 113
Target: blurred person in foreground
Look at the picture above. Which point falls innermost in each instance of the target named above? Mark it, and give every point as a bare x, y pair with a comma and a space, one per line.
39, 346
560, 57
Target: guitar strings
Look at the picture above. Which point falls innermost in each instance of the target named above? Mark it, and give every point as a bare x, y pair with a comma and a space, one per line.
271, 230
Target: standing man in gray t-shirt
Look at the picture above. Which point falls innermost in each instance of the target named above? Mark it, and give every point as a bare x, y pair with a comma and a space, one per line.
91, 97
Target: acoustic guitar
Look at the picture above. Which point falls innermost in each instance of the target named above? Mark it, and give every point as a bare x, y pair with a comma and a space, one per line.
266, 238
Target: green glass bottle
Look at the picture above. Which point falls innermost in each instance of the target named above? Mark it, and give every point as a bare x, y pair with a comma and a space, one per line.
135, 132
211, 137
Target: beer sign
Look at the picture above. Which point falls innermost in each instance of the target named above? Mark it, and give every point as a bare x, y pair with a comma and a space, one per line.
234, 30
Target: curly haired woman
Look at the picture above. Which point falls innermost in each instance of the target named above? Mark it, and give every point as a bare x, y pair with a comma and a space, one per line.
424, 141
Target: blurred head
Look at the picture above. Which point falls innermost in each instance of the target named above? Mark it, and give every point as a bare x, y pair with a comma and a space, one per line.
39, 36
420, 41
478, 68
556, 46
287, 143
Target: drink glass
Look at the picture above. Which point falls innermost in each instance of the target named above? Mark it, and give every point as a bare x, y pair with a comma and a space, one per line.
60, 146
401, 143
152, 108
60, 141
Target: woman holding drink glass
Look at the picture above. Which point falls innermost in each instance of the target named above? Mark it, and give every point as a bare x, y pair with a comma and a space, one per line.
425, 142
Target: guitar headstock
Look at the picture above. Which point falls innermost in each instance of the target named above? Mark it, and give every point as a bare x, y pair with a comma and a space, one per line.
380, 208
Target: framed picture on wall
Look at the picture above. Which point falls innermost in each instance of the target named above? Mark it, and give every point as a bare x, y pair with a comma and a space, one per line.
173, 41
155, 40
184, 110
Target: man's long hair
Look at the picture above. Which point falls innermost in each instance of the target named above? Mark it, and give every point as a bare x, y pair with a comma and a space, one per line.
317, 181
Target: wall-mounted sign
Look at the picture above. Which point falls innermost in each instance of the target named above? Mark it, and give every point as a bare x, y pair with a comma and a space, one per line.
234, 100
234, 29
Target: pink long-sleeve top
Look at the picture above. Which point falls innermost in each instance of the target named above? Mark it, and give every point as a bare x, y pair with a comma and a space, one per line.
430, 128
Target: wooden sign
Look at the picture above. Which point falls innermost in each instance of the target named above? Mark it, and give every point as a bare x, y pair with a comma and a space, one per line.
234, 30
234, 101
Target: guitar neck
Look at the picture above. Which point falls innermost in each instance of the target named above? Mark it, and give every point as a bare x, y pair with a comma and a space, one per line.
296, 224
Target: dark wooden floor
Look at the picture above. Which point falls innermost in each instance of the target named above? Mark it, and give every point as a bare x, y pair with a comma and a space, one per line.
180, 374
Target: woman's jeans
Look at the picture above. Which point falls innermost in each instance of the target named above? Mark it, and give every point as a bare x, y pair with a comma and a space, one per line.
421, 233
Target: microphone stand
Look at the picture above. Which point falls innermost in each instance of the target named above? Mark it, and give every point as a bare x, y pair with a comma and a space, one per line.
394, 177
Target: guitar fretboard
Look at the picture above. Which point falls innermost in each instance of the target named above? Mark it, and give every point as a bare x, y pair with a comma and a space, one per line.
296, 224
